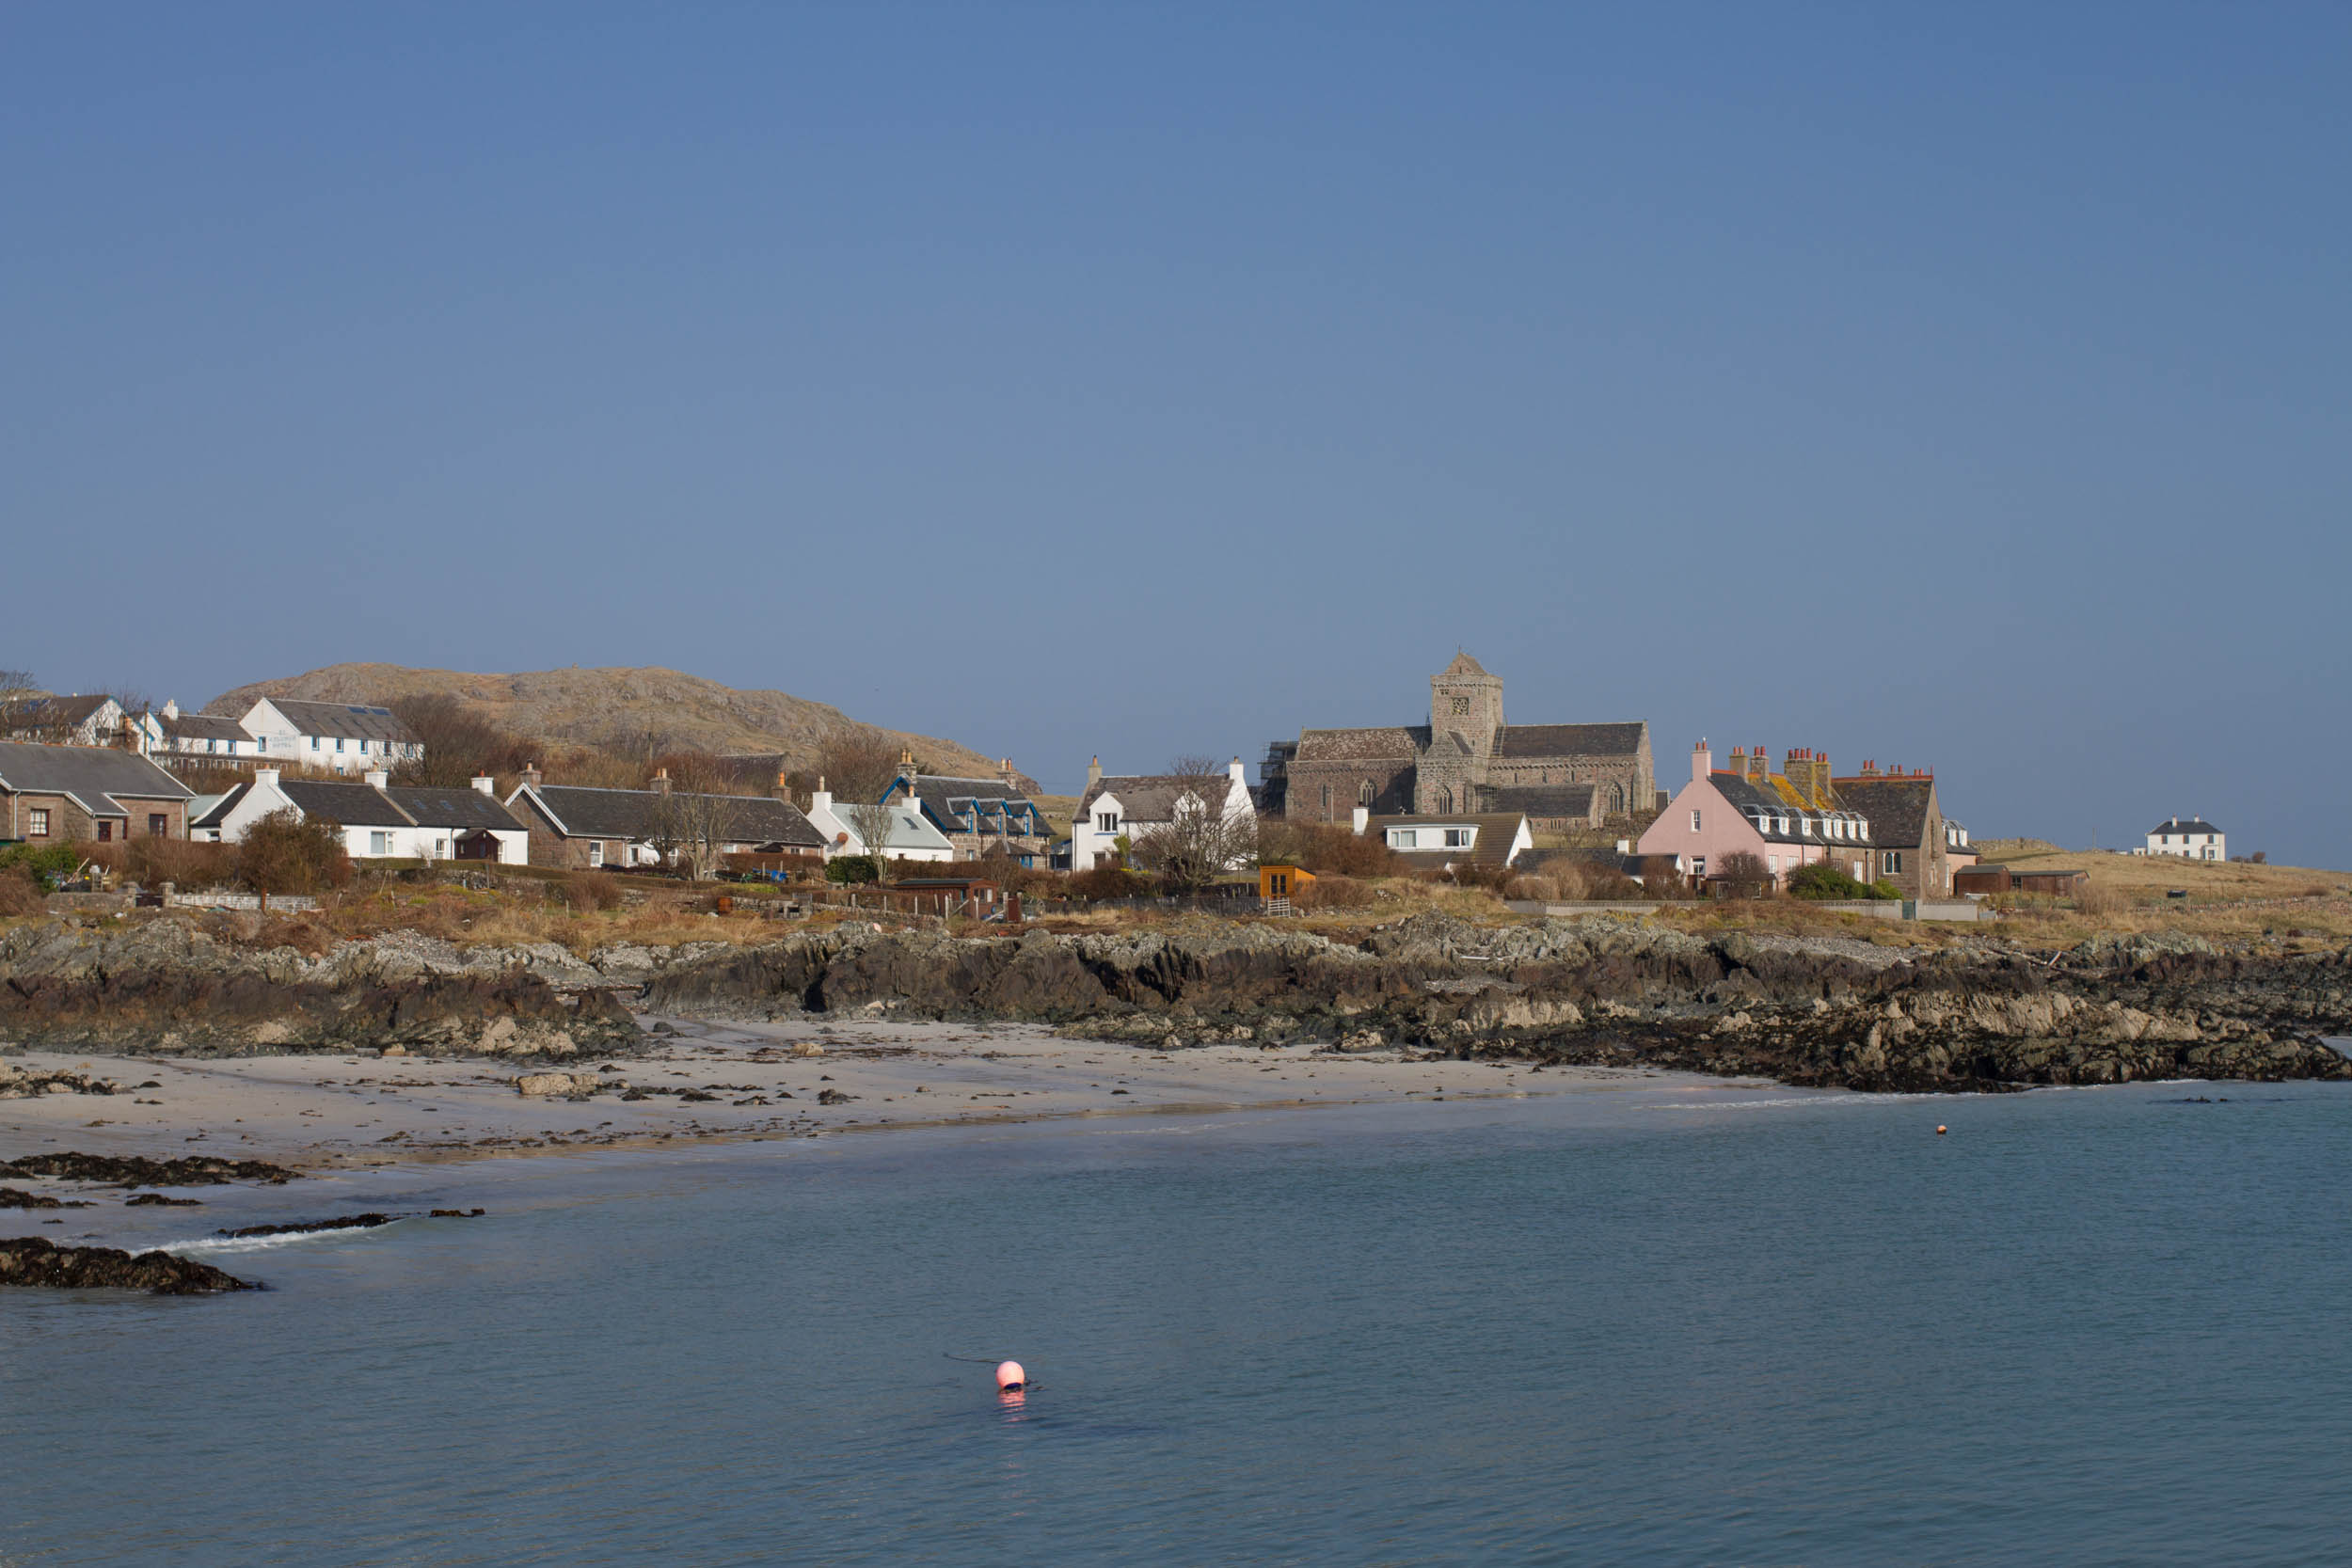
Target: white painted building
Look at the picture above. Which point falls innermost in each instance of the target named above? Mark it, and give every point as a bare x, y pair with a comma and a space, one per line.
377, 822
912, 835
169, 734
346, 738
1440, 841
1130, 806
2193, 839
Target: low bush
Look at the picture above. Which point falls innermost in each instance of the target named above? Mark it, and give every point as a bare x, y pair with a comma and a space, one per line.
2096, 898
47, 864
1742, 875
589, 891
1322, 846
853, 870
1823, 880
21, 892
1540, 889
1487, 879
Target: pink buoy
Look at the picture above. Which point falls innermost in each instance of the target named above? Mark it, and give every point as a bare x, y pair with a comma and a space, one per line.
1010, 1377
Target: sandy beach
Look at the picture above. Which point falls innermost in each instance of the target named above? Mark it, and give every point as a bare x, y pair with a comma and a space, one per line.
708, 1081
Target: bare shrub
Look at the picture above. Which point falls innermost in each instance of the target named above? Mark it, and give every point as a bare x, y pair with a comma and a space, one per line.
2097, 898
286, 853
1332, 891
183, 862
1541, 890
20, 894
1742, 875
1321, 848
588, 891
1107, 881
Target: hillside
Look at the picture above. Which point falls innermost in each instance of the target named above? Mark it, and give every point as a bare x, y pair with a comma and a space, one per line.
588, 706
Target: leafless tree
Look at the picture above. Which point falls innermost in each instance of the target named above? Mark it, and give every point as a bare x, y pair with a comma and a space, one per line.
859, 765
1202, 839
695, 817
460, 744
284, 853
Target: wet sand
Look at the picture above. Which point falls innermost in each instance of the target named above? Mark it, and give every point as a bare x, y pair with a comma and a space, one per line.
365, 1110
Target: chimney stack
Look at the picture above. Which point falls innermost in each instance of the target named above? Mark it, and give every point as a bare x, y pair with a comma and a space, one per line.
1237, 773
1702, 762
532, 775
376, 778
822, 800
1013, 779
1095, 771
485, 784
1759, 765
661, 780
1360, 819
784, 789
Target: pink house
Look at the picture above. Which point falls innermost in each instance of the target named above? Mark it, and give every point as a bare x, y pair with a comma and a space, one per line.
1784, 820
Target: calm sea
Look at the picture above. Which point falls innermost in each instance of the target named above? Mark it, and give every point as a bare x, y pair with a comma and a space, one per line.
1667, 1325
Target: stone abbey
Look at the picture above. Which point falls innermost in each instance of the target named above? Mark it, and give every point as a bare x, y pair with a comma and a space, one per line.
1467, 760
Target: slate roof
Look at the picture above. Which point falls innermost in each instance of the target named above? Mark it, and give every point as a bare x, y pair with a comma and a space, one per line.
467, 809
1385, 743
1541, 800
1898, 808
1569, 740
1769, 799
51, 712
908, 829
351, 721
347, 805
96, 778
215, 813
1497, 832
1464, 665
579, 812
2194, 825
1152, 797
944, 798
200, 727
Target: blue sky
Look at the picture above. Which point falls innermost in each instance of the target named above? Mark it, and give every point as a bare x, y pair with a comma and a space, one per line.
1955, 386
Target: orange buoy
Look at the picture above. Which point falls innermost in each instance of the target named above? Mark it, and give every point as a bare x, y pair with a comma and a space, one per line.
1010, 1377
1939, 1129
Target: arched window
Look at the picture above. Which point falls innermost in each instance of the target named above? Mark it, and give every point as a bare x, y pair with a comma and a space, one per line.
1327, 799
1445, 798
1616, 798
1363, 793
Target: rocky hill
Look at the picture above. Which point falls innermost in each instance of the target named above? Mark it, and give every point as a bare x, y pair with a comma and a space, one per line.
593, 706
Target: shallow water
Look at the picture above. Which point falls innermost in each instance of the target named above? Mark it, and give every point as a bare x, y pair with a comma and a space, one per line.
1657, 1327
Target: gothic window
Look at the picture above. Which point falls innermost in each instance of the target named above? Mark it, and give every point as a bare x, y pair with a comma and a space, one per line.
1445, 798
1327, 799
1461, 705
1363, 793
1616, 797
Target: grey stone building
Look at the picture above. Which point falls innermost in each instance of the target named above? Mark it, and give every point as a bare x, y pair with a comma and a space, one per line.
1469, 758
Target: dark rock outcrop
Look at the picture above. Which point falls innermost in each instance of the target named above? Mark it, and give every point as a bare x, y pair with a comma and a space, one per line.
301, 1227
1595, 990
135, 1170
166, 986
30, 1260
157, 1200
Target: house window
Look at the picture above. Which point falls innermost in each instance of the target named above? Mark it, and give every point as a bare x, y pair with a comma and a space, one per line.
1400, 838
1106, 822
1698, 865
1458, 838
158, 824
1694, 821
314, 743
105, 831
379, 844
595, 851
37, 822
260, 743
211, 745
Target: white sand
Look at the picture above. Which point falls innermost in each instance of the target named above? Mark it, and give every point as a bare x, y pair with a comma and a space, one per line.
361, 1110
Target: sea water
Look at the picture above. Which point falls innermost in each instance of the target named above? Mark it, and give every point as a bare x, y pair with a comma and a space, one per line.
1662, 1325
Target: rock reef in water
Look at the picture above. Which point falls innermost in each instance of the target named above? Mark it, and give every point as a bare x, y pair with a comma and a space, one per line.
30, 1260
137, 1170
1597, 991
166, 986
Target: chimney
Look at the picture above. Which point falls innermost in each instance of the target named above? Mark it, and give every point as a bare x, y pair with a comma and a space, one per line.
485, 784
784, 787
376, 778
171, 707
1869, 768
1759, 765
1013, 779
821, 799
661, 780
532, 775
1095, 771
1702, 762
1361, 819
265, 778
1237, 773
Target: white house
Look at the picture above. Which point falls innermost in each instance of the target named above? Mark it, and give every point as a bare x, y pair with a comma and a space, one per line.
2196, 839
1132, 805
166, 732
912, 835
1443, 841
92, 721
347, 737
378, 822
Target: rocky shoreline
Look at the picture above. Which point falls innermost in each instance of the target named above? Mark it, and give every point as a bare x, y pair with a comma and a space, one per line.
37, 1263
1597, 991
